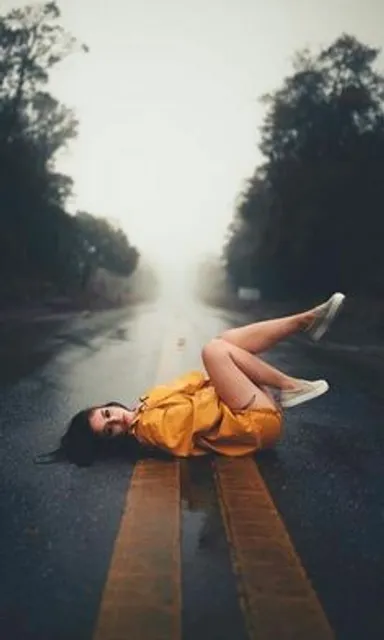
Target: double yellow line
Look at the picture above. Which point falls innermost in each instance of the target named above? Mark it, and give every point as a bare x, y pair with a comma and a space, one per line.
142, 595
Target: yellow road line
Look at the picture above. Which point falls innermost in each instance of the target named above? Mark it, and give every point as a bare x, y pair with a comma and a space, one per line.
142, 594
278, 600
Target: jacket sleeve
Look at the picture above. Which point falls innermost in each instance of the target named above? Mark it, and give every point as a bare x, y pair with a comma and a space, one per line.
167, 428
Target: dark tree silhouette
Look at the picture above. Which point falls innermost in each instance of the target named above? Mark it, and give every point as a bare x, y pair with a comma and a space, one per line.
39, 240
310, 218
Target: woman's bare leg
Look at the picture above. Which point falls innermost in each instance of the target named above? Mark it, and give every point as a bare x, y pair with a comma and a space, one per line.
260, 336
237, 375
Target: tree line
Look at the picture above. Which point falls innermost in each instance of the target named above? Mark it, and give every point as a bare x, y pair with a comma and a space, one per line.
39, 239
311, 219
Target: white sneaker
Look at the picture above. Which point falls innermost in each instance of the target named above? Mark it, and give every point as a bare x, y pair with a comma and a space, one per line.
308, 390
325, 315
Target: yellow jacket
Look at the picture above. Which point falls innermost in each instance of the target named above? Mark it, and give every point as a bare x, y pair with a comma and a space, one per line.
187, 418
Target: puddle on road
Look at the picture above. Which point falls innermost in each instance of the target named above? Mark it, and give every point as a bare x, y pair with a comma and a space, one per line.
72, 338
119, 334
25, 346
210, 603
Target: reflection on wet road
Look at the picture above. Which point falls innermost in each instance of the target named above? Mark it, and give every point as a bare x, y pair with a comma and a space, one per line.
59, 524
210, 597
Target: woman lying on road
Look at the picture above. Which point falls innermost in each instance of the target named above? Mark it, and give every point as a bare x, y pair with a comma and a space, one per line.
230, 412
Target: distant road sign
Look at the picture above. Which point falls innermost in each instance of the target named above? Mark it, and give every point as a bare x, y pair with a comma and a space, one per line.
245, 293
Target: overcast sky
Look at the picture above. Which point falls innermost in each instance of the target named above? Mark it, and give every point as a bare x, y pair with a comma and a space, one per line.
168, 104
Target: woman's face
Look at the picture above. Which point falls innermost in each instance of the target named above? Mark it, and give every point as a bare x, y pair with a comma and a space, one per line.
111, 421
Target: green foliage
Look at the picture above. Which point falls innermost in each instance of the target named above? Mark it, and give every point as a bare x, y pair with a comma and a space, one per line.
38, 239
310, 218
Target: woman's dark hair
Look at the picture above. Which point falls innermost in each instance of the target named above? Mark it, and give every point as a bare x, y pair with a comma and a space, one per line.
79, 444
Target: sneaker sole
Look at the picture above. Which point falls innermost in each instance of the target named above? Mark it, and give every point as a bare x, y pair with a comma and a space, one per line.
309, 395
337, 301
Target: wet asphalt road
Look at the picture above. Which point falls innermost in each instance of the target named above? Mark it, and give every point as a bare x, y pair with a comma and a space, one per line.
59, 523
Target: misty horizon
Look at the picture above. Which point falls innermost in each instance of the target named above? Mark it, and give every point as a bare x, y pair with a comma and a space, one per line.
168, 103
